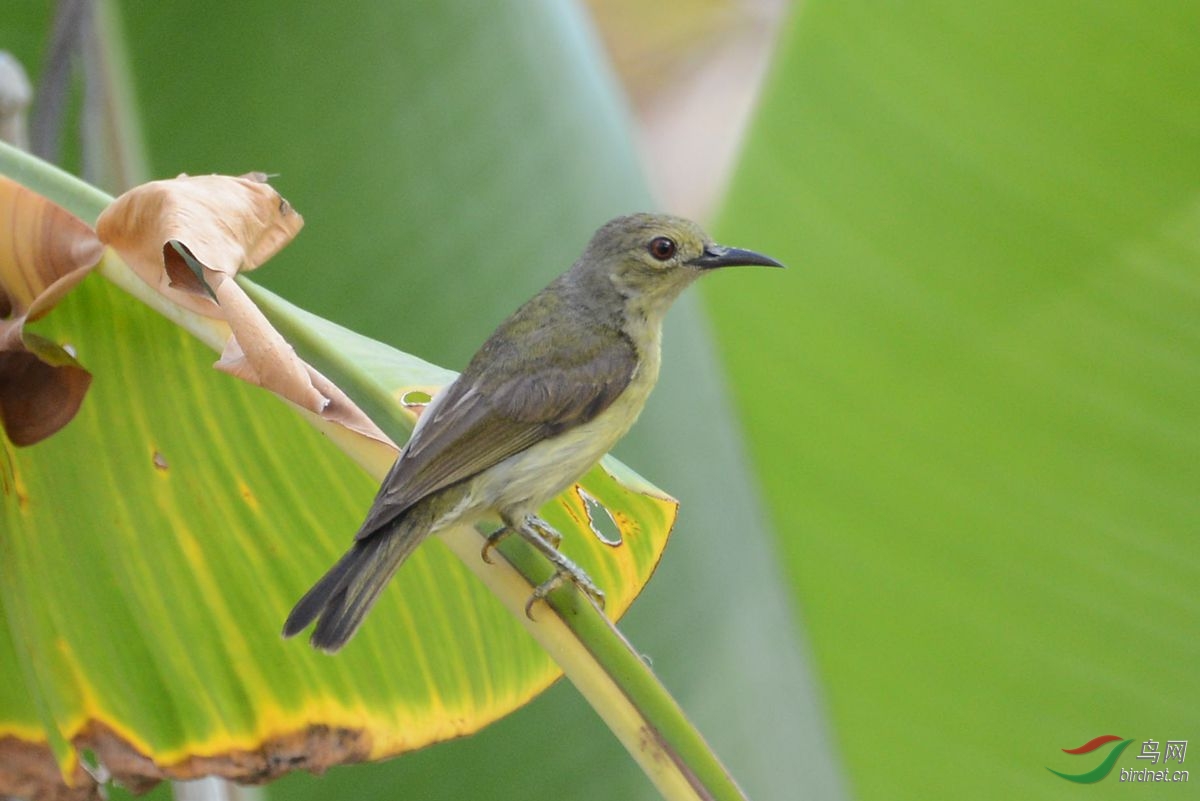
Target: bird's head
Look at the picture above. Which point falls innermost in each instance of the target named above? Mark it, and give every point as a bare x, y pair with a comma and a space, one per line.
650, 258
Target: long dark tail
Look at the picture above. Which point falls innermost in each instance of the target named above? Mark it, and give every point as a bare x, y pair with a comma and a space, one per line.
344, 595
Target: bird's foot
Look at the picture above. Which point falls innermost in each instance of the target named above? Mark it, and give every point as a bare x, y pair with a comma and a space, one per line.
540, 527
540, 535
545, 539
568, 571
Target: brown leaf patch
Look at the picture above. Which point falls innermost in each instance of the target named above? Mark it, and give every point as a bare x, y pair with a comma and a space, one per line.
28, 770
44, 252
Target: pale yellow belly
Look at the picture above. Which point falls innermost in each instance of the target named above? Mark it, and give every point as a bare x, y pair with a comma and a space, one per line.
520, 484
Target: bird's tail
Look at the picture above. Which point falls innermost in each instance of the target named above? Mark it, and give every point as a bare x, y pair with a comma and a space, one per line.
344, 595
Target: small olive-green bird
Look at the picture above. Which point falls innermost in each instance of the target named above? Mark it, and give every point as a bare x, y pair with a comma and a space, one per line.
548, 394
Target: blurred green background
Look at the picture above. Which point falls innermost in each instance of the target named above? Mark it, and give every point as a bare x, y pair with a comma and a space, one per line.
939, 481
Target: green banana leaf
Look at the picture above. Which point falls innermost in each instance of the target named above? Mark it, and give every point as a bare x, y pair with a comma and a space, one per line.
975, 413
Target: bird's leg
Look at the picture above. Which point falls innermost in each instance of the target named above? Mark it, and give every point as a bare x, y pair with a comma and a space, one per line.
545, 539
544, 529
548, 533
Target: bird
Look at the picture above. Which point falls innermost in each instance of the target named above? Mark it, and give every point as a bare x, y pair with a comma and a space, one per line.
543, 399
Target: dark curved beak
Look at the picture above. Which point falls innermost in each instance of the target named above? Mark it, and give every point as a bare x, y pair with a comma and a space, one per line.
715, 256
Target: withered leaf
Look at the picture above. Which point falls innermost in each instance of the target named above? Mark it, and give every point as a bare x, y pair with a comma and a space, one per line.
44, 252
189, 237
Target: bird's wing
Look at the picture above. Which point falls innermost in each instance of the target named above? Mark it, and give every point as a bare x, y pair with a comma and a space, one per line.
509, 398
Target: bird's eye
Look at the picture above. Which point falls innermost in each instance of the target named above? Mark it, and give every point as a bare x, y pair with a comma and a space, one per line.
662, 248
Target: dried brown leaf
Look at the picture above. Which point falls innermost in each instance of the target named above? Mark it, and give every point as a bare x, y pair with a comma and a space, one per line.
44, 252
228, 224
188, 237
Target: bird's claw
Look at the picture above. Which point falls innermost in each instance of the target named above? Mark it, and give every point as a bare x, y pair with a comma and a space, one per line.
492, 541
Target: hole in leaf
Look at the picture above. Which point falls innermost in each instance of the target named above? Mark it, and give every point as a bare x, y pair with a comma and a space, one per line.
415, 397
600, 520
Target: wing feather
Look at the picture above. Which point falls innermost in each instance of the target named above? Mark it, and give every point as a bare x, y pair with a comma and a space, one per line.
536, 393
